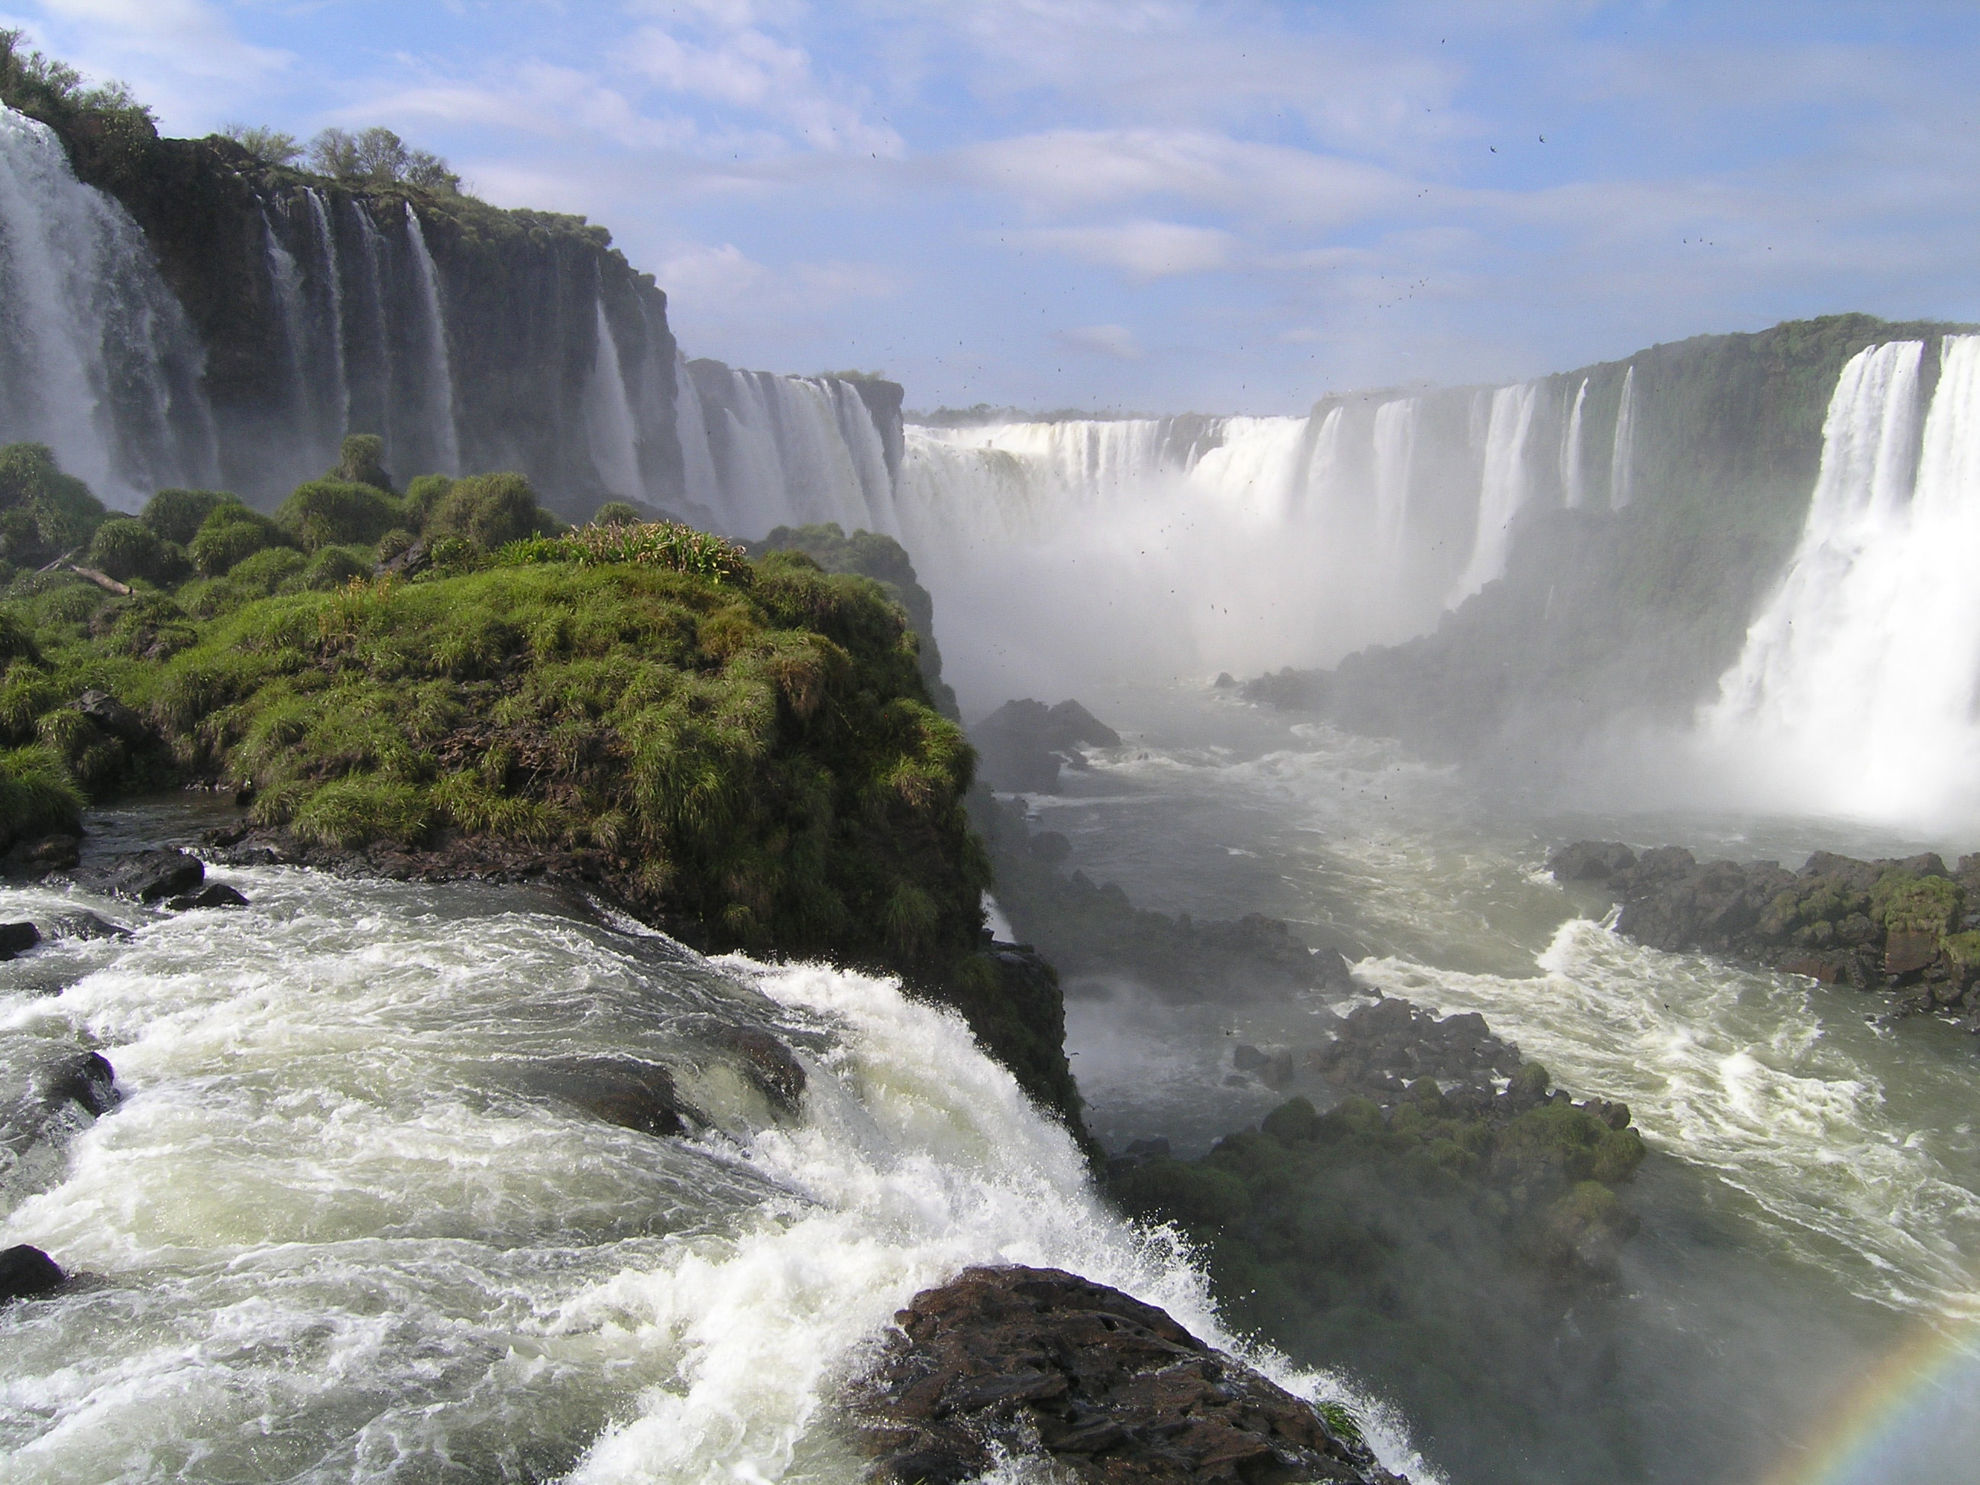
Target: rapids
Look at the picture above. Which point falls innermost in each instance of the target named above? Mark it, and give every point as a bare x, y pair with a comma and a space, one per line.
340, 1229
1812, 1200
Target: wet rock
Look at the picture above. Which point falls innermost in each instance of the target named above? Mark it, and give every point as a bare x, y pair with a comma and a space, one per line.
86, 1079
27, 1273
16, 939
771, 1065
146, 876
1023, 744
212, 895
83, 926
37, 857
619, 1090
1026, 1362
1590, 861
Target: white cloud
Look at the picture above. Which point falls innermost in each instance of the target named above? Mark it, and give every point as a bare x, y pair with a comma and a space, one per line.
723, 279
1076, 167
189, 37
1143, 249
1104, 340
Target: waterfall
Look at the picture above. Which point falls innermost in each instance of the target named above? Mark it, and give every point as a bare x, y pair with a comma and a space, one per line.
332, 311
1395, 452
370, 349
699, 481
286, 281
97, 359
1502, 488
444, 445
608, 417
1856, 690
1572, 491
1621, 477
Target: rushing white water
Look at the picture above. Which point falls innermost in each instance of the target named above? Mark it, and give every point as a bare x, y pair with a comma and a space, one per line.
1856, 689
1574, 491
608, 416
1503, 489
96, 358
346, 1224
444, 445
1622, 475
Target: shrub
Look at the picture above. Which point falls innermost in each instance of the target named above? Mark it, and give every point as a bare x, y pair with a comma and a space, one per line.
361, 461
336, 512
126, 548
177, 515
648, 544
269, 146
270, 570
490, 511
422, 495
617, 513
230, 534
36, 796
43, 512
333, 567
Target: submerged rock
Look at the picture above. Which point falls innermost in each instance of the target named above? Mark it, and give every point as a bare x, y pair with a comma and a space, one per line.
1027, 1361
620, 1090
84, 926
27, 1273
768, 1063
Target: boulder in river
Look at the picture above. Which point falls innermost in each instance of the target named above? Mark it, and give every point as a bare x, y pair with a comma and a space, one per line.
146, 876
17, 938
1027, 1361
212, 895
1023, 744
27, 1273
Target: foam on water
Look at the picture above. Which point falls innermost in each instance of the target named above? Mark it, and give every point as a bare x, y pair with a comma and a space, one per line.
336, 1232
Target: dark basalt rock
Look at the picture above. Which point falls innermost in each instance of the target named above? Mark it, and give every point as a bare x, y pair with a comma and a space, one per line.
17, 938
1023, 744
1898, 925
83, 926
110, 714
212, 895
86, 1079
146, 876
1025, 1361
769, 1064
620, 1090
36, 858
27, 1273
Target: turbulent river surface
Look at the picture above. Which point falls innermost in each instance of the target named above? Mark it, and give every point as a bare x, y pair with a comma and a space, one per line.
1801, 1299
346, 1224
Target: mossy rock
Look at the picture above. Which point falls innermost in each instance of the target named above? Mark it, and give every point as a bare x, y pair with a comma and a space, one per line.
1904, 902
330, 512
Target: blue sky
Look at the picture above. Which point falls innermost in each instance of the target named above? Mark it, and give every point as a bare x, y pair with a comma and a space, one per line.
1154, 204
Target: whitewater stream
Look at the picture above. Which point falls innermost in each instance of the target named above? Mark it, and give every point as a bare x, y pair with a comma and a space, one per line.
1800, 1302
348, 1224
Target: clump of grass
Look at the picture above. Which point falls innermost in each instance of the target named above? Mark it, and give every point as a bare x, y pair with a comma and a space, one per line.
643, 544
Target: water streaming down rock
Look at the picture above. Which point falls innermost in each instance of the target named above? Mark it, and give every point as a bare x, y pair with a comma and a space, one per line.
358, 1215
608, 417
96, 358
443, 442
1573, 483
1503, 488
1857, 685
1623, 451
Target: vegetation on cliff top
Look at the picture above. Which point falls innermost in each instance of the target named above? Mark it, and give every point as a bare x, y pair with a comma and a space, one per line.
744, 750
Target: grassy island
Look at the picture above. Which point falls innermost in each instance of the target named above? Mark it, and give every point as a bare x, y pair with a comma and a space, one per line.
744, 751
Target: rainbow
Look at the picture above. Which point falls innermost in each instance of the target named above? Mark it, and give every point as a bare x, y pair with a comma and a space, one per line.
1914, 1418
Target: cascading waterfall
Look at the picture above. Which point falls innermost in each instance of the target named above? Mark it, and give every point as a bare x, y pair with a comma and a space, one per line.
1573, 490
292, 314
333, 284
437, 1261
97, 359
370, 348
1395, 452
444, 446
1856, 689
608, 416
1621, 473
1502, 489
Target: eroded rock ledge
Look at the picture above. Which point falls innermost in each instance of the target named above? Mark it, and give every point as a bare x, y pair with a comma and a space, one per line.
1022, 1361
1908, 926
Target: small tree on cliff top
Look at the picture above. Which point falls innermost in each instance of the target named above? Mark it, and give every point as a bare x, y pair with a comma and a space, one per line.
378, 157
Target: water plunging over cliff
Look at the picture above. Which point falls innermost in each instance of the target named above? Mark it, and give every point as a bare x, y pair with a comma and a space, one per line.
96, 358
1858, 681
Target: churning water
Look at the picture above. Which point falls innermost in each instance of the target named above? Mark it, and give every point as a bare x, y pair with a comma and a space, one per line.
1812, 1202
346, 1224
